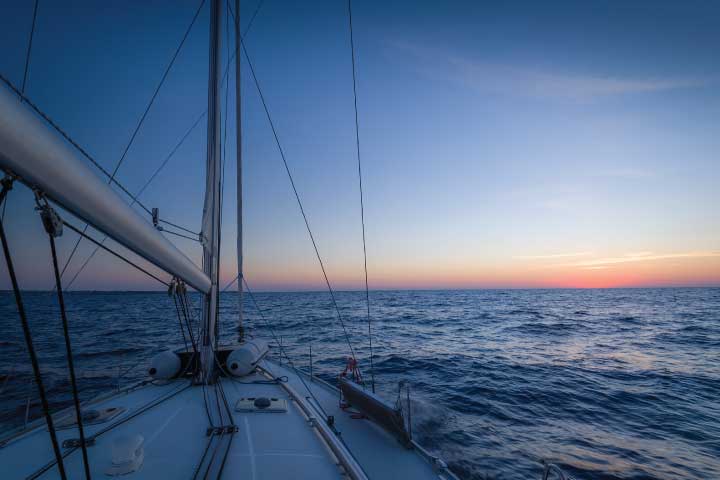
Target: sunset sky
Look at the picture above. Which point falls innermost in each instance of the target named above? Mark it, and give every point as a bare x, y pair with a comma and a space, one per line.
512, 144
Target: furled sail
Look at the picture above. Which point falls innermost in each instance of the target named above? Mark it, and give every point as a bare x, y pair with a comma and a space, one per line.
211, 207
35, 153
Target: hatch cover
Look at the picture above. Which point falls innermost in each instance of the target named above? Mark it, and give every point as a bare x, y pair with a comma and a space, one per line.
91, 417
261, 404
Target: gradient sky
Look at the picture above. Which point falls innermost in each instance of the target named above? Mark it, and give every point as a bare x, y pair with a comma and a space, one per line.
507, 144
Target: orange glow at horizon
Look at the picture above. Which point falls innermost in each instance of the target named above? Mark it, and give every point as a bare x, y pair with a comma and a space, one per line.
682, 271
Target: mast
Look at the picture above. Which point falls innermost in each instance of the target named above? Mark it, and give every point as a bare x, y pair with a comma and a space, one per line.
238, 137
211, 209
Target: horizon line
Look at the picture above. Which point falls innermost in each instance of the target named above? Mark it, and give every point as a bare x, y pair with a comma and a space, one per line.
469, 289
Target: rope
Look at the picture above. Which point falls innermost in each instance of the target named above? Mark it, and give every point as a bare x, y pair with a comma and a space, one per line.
67, 137
77, 230
155, 173
3, 211
185, 303
219, 387
157, 89
179, 227
299, 202
7, 185
137, 195
27, 65
279, 344
47, 213
29, 49
85, 263
362, 203
167, 159
140, 123
182, 328
179, 293
195, 239
231, 282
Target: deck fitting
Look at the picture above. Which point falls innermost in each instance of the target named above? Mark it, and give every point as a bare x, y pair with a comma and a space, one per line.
75, 442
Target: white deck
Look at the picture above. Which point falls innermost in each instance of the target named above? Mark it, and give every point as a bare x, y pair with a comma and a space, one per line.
267, 445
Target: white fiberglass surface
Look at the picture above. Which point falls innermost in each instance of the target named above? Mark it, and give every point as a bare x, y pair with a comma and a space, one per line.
266, 445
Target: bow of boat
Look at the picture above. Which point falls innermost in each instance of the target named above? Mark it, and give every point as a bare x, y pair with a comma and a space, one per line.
178, 429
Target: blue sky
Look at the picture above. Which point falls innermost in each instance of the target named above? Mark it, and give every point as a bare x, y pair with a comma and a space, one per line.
515, 145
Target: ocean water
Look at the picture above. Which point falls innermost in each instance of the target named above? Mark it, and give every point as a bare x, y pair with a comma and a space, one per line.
610, 384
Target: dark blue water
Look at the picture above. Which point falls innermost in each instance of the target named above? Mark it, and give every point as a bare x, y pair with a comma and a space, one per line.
607, 383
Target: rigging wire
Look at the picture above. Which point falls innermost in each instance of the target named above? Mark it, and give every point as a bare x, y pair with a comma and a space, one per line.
140, 123
211, 212
232, 433
186, 314
362, 203
178, 227
222, 430
279, 344
157, 89
213, 434
231, 282
7, 185
135, 198
47, 215
25, 74
299, 202
84, 235
29, 49
238, 161
137, 195
195, 239
182, 327
67, 137
223, 154
165, 162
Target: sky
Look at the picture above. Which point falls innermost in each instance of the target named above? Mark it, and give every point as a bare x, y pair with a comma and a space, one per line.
503, 144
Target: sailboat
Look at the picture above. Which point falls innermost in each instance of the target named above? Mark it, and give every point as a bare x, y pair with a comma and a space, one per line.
207, 410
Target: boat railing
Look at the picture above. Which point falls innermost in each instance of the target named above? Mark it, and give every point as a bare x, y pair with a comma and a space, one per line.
28, 393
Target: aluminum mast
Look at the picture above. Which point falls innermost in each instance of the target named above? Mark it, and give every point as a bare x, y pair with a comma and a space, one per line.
238, 138
211, 208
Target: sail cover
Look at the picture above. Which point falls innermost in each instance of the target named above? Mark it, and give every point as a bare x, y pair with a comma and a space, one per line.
37, 154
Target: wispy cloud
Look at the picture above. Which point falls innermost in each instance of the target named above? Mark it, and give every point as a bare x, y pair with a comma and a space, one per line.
640, 257
551, 256
537, 83
626, 173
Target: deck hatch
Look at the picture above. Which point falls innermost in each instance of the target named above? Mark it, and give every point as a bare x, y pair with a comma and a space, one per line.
91, 417
261, 405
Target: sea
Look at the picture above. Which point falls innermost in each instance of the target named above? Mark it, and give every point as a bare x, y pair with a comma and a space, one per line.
606, 383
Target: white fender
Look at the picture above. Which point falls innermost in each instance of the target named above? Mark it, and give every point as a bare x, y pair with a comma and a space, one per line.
243, 360
164, 366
